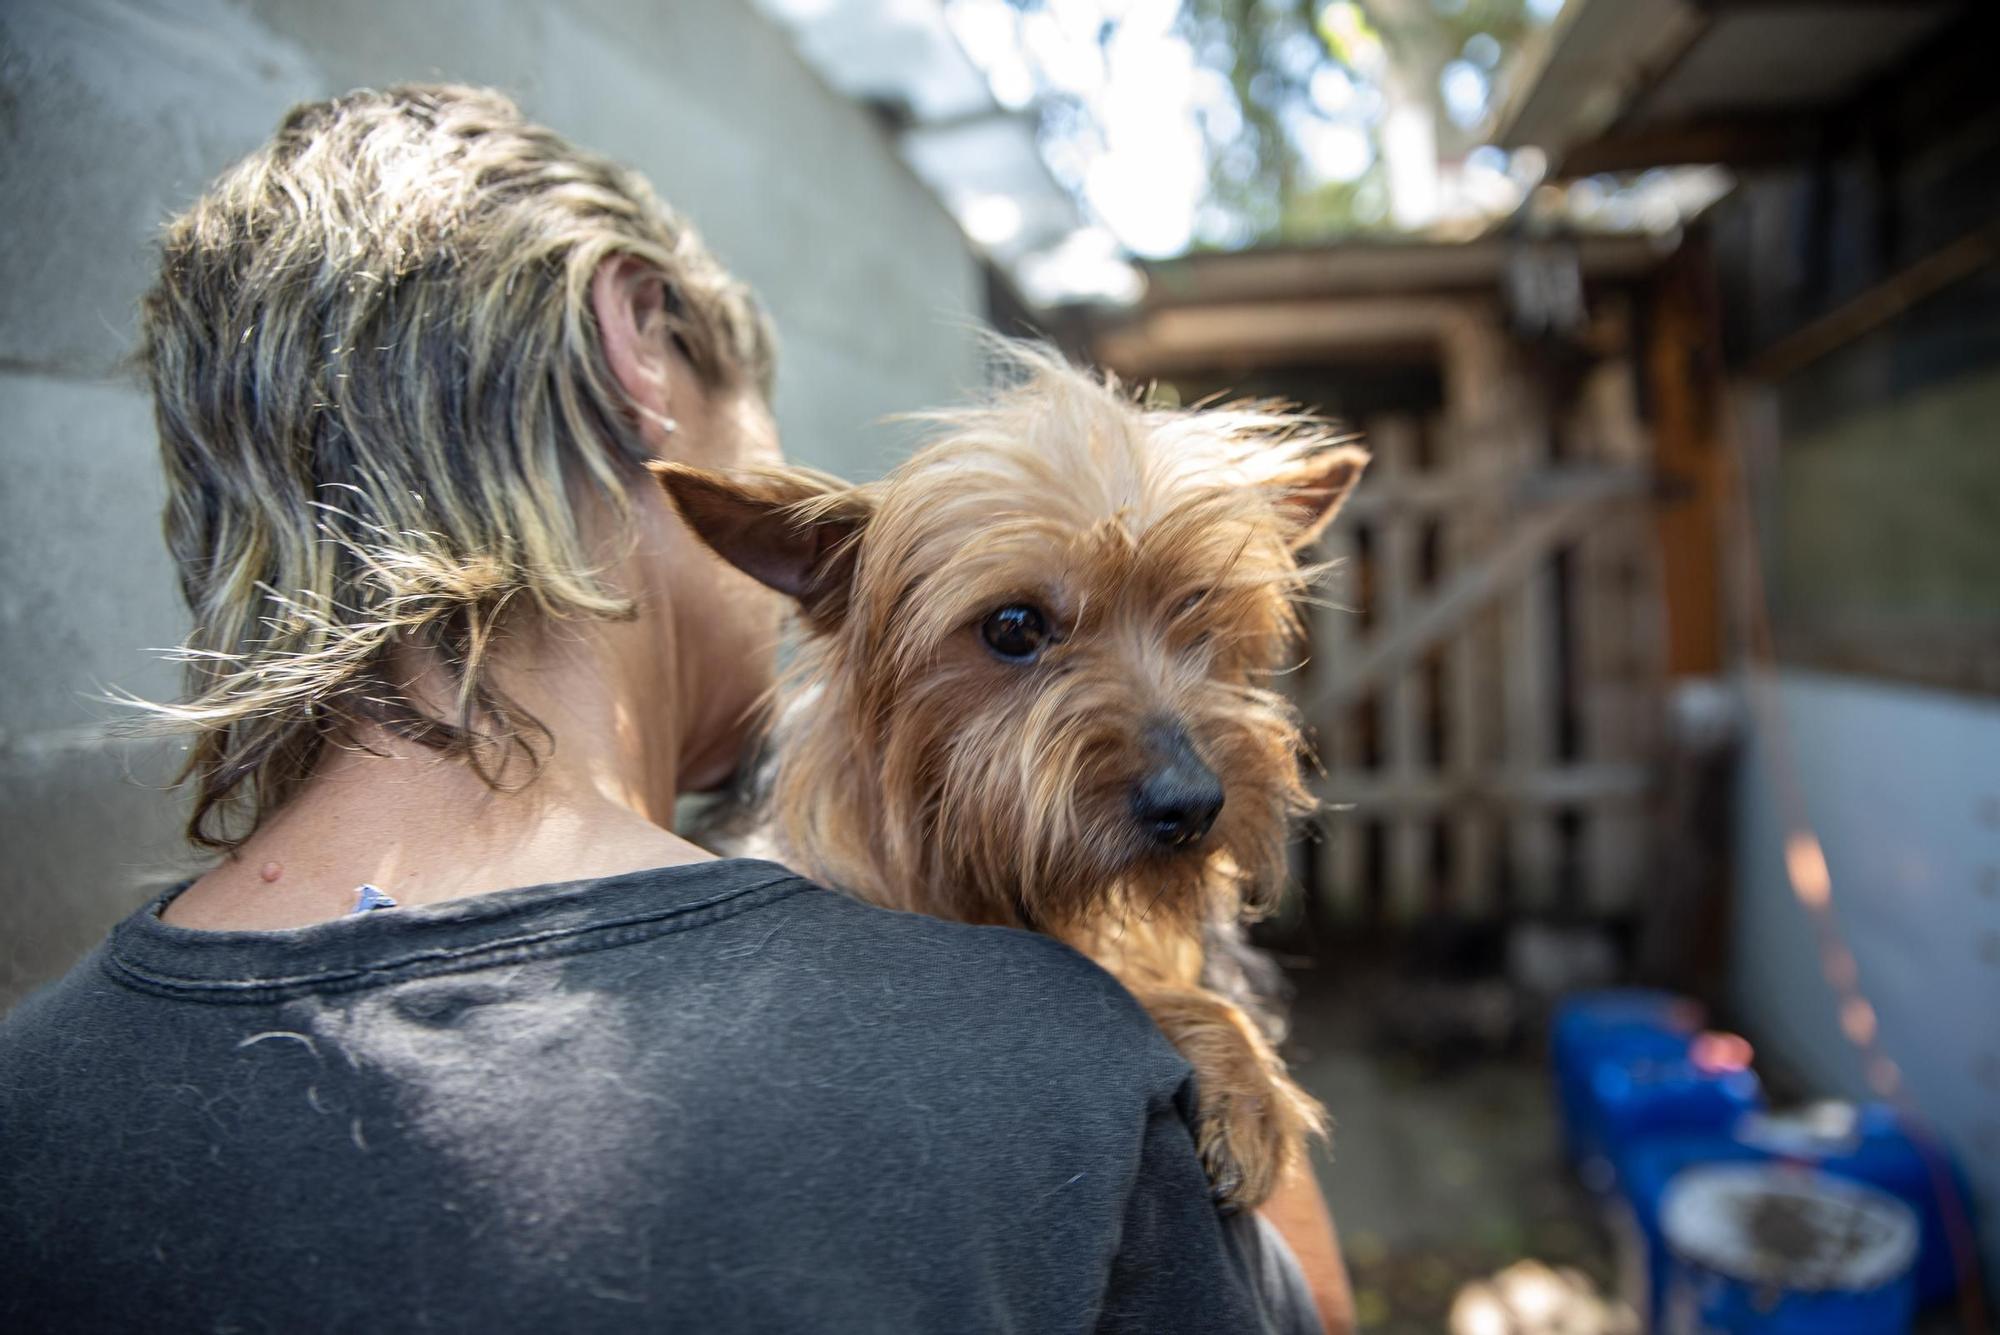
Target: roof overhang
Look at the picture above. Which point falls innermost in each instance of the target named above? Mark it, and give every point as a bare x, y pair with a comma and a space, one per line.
1374, 303
1382, 268
1624, 85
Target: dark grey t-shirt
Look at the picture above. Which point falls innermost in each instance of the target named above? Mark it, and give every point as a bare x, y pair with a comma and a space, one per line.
704, 1098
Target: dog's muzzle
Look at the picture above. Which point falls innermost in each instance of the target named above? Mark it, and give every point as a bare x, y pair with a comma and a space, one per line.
1177, 801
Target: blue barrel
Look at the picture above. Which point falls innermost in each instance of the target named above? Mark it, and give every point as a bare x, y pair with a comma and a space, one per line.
1772, 1249
1644, 1173
1638, 1101
1869, 1143
1620, 1026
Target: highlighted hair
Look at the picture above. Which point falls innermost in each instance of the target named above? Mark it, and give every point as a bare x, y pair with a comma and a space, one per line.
380, 393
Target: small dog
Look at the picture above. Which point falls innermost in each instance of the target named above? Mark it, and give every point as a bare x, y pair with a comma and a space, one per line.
1032, 692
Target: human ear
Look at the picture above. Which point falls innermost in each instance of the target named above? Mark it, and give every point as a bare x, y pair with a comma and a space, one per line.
629, 299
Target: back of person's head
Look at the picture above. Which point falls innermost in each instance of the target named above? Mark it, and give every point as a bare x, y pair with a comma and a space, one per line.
381, 394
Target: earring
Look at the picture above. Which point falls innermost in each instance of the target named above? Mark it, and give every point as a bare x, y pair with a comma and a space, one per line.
660, 420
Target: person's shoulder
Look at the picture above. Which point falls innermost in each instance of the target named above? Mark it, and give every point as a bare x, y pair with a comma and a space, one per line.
58, 1021
971, 956
1033, 995
47, 1007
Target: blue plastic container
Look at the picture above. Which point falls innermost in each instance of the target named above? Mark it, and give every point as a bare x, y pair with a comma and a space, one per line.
1644, 1174
1867, 1143
1617, 1026
1769, 1249
1640, 1100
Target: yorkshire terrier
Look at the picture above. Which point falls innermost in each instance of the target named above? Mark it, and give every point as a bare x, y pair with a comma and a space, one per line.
1032, 691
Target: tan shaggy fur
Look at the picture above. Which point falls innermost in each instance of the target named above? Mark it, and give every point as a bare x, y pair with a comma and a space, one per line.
919, 769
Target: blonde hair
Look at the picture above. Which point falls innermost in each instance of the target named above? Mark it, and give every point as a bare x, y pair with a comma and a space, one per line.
380, 389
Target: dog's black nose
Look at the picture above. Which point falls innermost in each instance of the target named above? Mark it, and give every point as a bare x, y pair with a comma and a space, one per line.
1179, 799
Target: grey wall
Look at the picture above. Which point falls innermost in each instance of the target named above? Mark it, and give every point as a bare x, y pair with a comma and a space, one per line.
113, 115
1902, 785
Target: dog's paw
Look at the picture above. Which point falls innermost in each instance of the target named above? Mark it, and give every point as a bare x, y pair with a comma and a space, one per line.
1249, 1135
1252, 1122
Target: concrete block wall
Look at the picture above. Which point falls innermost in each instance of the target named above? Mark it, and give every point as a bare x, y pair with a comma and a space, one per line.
115, 113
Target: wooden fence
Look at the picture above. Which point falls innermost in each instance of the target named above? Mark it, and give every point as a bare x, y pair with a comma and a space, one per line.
1487, 678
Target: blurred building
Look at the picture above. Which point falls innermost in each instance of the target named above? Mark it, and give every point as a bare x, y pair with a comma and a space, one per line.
1844, 313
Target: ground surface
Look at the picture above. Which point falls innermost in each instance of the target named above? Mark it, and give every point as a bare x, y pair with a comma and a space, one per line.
1444, 1168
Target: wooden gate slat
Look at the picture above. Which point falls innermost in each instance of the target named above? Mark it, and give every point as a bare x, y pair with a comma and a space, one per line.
1333, 624
1527, 662
1394, 442
1614, 596
1470, 705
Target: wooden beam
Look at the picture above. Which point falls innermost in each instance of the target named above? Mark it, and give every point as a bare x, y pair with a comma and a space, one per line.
1742, 142
1246, 335
1427, 493
1352, 270
1561, 786
1491, 478
1971, 253
1684, 385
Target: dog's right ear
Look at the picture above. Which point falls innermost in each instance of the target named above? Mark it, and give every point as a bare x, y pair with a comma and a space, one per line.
797, 531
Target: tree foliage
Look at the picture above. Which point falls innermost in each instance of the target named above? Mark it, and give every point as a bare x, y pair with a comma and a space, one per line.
1299, 67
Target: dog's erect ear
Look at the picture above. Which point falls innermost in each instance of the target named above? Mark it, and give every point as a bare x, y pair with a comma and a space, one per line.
794, 530
1313, 487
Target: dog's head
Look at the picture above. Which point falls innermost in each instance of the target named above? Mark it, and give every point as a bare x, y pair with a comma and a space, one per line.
1037, 652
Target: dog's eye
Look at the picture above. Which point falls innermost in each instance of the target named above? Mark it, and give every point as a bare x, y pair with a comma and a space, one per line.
1184, 623
1016, 632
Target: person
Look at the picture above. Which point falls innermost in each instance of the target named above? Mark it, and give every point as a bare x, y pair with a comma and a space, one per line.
457, 1033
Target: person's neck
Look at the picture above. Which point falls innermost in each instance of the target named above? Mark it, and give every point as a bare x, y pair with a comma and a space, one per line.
424, 827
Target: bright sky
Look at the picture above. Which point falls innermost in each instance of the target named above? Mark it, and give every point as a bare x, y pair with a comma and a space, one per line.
1145, 175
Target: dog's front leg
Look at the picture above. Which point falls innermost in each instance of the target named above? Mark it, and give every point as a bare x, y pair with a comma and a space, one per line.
1253, 1121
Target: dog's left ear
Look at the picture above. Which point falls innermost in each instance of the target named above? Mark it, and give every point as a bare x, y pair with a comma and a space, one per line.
792, 529
1312, 488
